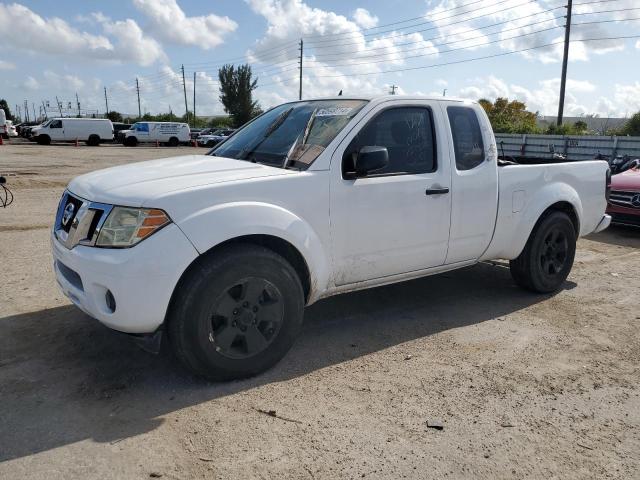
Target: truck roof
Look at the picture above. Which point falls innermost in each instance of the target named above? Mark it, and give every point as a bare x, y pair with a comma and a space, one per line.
382, 98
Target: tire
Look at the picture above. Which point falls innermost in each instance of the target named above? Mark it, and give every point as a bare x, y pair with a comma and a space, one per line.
235, 313
173, 142
211, 144
44, 140
131, 141
93, 140
547, 258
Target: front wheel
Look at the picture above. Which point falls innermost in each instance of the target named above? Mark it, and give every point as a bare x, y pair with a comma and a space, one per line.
547, 258
131, 141
173, 142
236, 313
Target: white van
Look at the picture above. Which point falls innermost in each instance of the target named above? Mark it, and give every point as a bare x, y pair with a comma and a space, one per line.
171, 133
89, 130
3, 124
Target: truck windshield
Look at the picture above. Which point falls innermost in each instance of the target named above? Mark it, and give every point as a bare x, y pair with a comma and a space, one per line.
293, 134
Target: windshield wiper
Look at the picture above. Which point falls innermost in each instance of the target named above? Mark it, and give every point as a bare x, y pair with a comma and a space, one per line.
246, 152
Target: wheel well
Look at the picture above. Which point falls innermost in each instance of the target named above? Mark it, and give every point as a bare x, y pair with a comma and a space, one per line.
277, 245
567, 208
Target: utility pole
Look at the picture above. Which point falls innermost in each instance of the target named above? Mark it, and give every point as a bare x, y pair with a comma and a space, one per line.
78, 103
444, 92
59, 105
565, 59
44, 109
301, 55
106, 103
194, 99
18, 110
33, 105
138, 90
393, 89
26, 110
184, 86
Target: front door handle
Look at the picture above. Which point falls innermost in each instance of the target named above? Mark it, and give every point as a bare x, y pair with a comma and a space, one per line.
437, 191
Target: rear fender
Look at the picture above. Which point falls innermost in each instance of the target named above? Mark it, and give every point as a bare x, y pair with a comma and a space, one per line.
514, 228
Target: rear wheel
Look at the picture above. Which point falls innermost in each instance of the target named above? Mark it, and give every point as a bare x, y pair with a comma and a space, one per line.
236, 313
93, 140
173, 142
547, 258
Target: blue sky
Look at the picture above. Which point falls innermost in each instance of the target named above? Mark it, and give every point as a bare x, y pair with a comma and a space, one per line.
63, 47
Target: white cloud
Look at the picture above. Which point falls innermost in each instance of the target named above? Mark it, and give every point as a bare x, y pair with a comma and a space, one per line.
132, 42
31, 84
441, 82
523, 26
56, 37
4, 65
627, 97
67, 82
543, 98
336, 45
169, 23
363, 18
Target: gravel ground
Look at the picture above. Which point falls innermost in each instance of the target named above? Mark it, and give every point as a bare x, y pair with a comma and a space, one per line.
525, 386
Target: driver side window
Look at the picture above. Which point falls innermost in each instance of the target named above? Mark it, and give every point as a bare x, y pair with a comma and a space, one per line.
406, 132
56, 124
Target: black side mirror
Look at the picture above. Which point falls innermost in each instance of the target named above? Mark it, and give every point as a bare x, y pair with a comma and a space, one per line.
371, 158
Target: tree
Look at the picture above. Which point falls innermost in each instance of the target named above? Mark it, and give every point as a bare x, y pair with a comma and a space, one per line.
7, 111
509, 117
114, 116
581, 127
236, 95
632, 127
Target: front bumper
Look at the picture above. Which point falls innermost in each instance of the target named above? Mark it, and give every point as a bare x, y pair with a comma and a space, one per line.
141, 279
624, 215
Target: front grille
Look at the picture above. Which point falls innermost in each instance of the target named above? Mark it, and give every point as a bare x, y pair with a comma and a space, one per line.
625, 218
78, 221
623, 198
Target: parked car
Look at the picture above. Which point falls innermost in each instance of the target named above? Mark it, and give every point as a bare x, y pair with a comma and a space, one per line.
624, 198
118, 131
220, 253
24, 129
169, 133
11, 129
195, 132
92, 131
214, 138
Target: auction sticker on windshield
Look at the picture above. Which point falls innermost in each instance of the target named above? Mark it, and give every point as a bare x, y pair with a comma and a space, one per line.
333, 112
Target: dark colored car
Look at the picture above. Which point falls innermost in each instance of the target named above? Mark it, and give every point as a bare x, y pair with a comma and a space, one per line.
118, 128
624, 198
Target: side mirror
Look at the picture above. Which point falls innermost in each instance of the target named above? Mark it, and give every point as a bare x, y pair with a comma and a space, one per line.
371, 158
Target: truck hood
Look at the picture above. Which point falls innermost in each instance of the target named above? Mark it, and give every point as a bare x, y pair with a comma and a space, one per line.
137, 183
627, 180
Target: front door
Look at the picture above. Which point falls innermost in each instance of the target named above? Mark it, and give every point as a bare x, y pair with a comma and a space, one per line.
56, 130
394, 220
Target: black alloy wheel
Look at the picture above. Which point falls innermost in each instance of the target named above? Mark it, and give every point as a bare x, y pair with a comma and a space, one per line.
246, 318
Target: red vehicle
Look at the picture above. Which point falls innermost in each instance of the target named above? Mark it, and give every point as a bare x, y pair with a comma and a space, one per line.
624, 199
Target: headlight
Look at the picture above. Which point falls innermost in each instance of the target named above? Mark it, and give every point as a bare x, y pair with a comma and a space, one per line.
125, 227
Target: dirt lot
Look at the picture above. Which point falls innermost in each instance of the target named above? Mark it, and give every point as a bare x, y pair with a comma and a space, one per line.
525, 386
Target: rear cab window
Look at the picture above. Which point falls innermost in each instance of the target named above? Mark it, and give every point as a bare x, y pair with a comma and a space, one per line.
467, 137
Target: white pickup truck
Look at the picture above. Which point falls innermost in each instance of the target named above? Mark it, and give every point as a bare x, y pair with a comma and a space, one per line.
221, 252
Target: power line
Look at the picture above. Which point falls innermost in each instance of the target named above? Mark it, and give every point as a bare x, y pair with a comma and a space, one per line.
502, 54
445, 51
402, 34
323, 56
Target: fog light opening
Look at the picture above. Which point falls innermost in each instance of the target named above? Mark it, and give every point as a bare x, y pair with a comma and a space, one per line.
111, 301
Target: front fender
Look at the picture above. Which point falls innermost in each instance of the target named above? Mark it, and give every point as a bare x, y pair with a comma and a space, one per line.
217, 224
